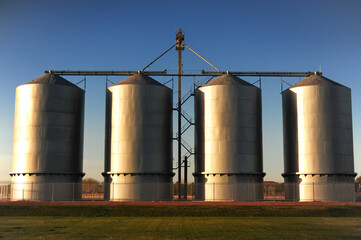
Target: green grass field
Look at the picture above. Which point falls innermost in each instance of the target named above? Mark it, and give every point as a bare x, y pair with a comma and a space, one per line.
180, 222
179, 228
183, 210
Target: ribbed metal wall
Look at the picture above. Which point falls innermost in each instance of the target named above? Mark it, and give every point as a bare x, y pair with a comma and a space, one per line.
228, 141
48, 140
318, 144
138, 152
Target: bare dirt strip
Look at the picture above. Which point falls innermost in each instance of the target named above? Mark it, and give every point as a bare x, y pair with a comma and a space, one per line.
175, 203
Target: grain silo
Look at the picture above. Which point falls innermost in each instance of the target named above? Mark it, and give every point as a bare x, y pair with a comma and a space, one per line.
318, 145
48, 140
139, 166
228, 141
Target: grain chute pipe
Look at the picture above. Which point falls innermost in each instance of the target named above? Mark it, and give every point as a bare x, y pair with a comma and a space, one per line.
263, 74
201, 57
165, 73
105, 73
158, 57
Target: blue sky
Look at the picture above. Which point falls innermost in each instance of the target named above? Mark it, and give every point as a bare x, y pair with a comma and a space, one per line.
253, 35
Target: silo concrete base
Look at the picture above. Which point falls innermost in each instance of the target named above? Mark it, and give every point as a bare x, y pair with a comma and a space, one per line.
320, 187
229, 187
107, 181
46, 187
141, 187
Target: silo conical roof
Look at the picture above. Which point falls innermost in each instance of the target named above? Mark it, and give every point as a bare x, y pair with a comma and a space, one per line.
316, 80
51, 79
228, 79
139, 79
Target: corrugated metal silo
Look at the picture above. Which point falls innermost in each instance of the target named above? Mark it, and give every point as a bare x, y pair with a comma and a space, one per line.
228, 141
318, 144
139, 162
48, 140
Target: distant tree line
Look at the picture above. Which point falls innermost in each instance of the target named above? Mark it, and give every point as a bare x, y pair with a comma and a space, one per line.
190, 188
91, 185
274, 189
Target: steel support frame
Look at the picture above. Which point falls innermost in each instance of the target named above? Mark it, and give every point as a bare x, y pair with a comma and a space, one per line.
165, 73
180, 48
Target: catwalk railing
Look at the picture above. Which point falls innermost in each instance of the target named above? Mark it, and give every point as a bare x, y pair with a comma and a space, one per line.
33, 191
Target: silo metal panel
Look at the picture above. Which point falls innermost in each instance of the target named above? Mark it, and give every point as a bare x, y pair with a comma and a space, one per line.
320, 126
317, 122
48, 131
141, 136
138, 132
36, 133
223, 130
228, 135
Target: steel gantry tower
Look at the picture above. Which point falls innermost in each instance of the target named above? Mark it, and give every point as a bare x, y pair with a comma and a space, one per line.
179, 47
